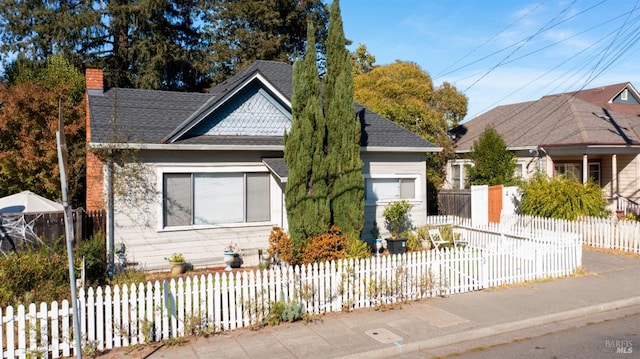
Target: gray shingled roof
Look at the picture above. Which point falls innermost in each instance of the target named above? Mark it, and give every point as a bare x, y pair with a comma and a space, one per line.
141, 116
560, 120
145, 116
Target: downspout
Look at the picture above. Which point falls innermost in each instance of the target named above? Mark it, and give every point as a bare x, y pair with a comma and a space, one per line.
540, 158
110, 213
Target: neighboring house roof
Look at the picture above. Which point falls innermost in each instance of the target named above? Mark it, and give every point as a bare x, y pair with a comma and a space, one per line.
557, 120
611, 97
250, 110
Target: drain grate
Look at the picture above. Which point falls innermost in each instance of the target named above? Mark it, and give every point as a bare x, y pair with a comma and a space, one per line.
383, 335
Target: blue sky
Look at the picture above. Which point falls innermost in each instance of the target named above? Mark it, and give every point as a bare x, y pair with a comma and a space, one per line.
503, 52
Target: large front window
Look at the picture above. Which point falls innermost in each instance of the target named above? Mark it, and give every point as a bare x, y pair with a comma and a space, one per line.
215, 198
569, 170
574, 170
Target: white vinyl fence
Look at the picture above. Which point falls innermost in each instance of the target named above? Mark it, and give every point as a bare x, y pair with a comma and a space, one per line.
128, 315
610, 233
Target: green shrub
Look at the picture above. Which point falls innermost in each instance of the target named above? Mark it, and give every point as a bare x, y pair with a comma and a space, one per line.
36, 276
128, 276
561, 198
356, 247
94, 252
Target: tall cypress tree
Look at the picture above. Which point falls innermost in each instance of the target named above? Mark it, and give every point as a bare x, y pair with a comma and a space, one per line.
346, 183
306, 194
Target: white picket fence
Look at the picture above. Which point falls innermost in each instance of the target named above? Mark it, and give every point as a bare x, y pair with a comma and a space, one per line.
128, 315
610, 233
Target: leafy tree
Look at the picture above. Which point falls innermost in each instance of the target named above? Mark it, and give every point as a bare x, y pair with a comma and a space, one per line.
239, 32
346, 182
362, 61
28, 125
306, 192
493, 163
404, 93
561, 198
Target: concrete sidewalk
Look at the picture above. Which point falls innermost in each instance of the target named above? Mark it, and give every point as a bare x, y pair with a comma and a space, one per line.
436, 327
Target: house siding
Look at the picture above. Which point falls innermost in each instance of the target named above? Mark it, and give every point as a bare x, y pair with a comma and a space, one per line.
379, 164
139, 215
139, 212
628, 176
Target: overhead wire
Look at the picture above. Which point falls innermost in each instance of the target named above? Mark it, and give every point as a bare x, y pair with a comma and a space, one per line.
519, 47
517, 42
489, 39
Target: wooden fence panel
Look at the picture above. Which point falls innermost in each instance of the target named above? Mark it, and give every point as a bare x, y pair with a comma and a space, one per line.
49, 227
455, 203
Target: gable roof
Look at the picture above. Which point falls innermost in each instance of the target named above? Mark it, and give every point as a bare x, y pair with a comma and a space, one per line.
609, 97
162, 119
560, 120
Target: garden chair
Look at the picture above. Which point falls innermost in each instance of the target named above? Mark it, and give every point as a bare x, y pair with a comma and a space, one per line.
459, 237
436, 238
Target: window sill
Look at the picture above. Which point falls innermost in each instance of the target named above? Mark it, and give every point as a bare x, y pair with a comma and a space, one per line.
215, 226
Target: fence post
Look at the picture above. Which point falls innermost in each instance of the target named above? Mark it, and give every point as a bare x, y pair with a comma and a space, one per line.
484, 269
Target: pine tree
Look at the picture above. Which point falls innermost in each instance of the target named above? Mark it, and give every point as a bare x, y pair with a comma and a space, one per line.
306, 194
346, 183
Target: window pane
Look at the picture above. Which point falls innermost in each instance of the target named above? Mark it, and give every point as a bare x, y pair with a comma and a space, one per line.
408, 188
594, 172
382, 188
177, 199
455, 176
258, 197
218, 198
519, 170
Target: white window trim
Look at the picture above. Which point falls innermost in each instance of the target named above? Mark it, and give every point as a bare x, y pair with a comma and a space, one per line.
418, 187
463, 172
523, 169
161, 170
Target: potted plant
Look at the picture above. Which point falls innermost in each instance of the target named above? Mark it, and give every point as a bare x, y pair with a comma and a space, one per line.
397, 220
176, 263
230, 255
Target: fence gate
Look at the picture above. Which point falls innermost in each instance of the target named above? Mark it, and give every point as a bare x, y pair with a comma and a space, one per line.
495, 203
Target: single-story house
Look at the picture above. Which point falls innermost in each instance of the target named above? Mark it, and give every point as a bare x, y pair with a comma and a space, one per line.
202, 170
593, 133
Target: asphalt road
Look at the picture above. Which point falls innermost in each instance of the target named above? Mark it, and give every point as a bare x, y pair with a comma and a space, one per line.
617, 338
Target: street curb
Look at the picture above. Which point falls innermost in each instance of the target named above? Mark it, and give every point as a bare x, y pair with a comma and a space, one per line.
497, 329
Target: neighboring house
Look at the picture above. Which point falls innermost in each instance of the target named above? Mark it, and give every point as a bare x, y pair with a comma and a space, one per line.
208, 168
592, 133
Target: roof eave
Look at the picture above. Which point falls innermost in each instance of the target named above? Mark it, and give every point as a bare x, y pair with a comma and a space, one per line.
202, 147
400, 149
184, 147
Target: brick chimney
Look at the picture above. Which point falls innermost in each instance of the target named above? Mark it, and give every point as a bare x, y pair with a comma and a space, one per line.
94, 82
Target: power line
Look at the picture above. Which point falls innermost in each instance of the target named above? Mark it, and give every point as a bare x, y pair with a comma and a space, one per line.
519, 47
488, 40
